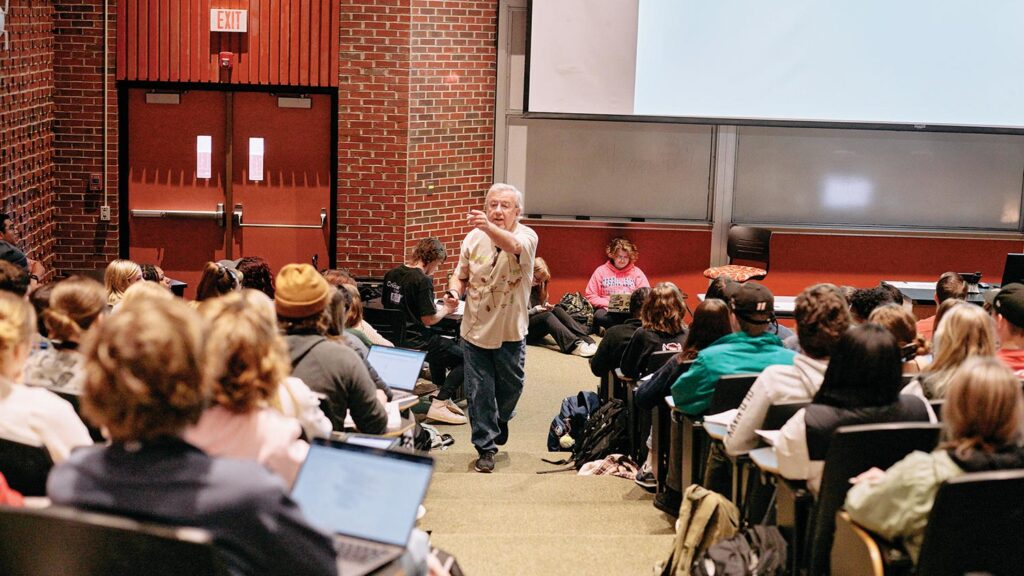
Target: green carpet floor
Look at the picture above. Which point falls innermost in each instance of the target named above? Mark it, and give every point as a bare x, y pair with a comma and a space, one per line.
515, 521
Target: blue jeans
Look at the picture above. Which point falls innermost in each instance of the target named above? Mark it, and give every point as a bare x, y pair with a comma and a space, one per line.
494, 382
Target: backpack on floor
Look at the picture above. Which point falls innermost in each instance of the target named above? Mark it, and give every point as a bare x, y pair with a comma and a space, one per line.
578, 307
756, 551
606, 432
571, 420
705, 518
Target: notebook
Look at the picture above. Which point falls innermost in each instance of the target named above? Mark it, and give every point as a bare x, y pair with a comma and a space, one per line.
399, 368
367, 497
619, 302
1014, 269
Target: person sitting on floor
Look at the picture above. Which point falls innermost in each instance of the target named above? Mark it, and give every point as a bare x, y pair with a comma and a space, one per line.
144, 385
28, 414
900, 322
619, 275
662, 328
609, 352
326, 367
246, 360
861, 386
571, 337
751, 349
76, 304
410, 288
822, 317
964, 332
982, 415
949, 286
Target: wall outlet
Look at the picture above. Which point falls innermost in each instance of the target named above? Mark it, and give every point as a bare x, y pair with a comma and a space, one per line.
105, 213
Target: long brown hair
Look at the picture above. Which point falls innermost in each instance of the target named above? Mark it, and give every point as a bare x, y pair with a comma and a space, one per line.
75, 304
710, 322
665, 310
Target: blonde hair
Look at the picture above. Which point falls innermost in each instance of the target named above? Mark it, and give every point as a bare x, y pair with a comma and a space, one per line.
146, 291
964, 331
118, 277
664, 310
902, 325
246, 358
541, 275
17, 324
143, 371
984, 407
75, 304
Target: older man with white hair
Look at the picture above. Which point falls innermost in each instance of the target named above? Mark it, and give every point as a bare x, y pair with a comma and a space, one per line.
495, 273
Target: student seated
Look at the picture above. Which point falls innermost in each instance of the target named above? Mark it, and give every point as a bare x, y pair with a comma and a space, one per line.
608, 356
619, 275
28, 414
950, 286
144, 385
246, 360
822, 317
965, 331
218, 279
337, 312
863, 301
76, 304
724, 287
752, 349
861, 386
571, 337
661, 329
256, 275
119, 275
982, 414
1009, 307
326, 367
900, 323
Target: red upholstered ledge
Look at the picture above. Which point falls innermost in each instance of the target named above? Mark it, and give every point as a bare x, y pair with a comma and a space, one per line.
736, 272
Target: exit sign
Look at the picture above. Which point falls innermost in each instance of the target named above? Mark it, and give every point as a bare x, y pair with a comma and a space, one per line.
222, 20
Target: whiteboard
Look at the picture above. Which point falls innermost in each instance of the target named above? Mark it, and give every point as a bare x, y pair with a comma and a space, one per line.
613, 169
878, 178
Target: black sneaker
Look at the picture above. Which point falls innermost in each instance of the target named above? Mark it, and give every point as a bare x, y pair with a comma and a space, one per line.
668, 502
502, 433
485, 463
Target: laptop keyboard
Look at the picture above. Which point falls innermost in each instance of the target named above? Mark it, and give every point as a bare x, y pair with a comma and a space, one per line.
357, 552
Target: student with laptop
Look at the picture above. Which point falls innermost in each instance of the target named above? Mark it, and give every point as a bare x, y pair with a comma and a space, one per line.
144, 384
619, 275
410, 288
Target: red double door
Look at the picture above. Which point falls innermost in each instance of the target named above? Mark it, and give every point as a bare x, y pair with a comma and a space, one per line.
220, 175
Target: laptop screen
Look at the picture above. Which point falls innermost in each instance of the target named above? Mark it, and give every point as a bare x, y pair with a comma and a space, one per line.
1014, 269
362, 492
398, 367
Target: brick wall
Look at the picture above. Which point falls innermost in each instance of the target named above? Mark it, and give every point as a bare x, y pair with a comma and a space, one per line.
26, 121
83, 241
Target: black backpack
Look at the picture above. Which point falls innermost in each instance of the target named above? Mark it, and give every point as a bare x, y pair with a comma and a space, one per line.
606, 432
756, 551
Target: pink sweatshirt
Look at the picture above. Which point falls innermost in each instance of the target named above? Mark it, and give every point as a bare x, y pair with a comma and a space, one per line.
608, 280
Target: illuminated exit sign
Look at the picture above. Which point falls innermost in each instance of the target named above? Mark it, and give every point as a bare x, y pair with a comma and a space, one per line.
228, 20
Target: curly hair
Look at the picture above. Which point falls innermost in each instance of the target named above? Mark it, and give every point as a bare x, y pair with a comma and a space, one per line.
143, 371
75, 304
822, 315
429, 250
246, 358
665, 310
621, 243
256, 275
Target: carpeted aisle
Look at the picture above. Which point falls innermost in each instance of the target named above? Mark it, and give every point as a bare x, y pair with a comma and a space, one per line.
515, 521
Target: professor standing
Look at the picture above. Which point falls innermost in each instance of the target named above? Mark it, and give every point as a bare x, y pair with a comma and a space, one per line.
495, 273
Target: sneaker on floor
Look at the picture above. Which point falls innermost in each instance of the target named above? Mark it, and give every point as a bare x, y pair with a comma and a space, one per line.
502, 433
669, 502
453, 407
584, 349
440, 412
646, 480
485, 463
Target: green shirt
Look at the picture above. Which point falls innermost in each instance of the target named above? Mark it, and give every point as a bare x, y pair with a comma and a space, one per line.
736, 353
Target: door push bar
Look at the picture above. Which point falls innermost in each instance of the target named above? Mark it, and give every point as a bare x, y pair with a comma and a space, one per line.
217, 214
242, 224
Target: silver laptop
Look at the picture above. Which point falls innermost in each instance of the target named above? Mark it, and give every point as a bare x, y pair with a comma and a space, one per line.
619, 302
399, 368
366, 497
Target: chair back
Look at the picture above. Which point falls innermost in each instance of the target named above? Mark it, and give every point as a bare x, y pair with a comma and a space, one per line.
389, 322
69, 542
730, 391
937, 405
656, 360
749, 243
855, 449
779, 414
25, 466
975, 526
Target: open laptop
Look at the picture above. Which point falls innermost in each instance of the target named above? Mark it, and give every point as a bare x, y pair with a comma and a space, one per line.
399, 368
367, 497
619, 303
1014, 269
